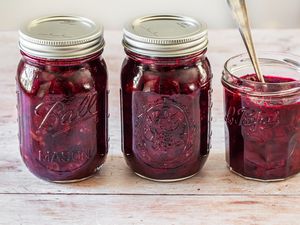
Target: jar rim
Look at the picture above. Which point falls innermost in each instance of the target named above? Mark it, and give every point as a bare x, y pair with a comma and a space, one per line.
58, 62
256, 88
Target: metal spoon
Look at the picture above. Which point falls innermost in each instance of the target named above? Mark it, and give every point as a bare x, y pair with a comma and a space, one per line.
239, 10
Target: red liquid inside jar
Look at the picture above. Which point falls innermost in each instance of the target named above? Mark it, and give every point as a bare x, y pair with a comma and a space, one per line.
262, 133
63, 116
165, 104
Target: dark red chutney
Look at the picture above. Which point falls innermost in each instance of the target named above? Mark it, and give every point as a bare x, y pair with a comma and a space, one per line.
262, 134
165, 108
62, 116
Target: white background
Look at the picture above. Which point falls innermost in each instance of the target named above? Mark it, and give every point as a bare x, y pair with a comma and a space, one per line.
114, 13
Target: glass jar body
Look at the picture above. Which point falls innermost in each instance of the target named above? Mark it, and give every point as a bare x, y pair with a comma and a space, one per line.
62, 112
262, 120
165, 109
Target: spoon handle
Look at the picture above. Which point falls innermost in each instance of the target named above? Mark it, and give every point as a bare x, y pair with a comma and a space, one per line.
239, 10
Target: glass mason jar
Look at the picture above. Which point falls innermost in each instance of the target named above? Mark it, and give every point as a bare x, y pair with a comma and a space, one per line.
62, 98
165, 97
262, 120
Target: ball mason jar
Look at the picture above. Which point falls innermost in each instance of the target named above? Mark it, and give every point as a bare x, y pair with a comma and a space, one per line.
262, 120
165, 97
62, 98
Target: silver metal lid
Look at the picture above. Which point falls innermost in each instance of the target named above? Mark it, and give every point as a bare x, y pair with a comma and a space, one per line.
165, 36
61, 37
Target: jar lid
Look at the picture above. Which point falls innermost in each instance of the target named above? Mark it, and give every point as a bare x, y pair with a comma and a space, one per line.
61, 37
165, 36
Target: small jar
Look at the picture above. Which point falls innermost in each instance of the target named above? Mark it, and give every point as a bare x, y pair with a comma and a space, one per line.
262, 120
165, 97
62, 98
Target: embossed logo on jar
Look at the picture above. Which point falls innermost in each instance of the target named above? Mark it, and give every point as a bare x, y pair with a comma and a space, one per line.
164, 134
61, 161
252, 118
161, 123
59, 115
63, 127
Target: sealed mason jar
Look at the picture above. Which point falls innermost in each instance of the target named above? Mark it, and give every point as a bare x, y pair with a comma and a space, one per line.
62, 98
165, 97
262, 120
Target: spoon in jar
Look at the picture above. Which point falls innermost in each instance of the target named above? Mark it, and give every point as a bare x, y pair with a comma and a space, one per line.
239, 10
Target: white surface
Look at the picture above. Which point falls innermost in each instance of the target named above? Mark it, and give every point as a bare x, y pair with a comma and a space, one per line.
113, 13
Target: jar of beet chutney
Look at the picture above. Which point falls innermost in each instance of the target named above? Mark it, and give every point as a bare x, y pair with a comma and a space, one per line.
62, 98
262, 120
165, 97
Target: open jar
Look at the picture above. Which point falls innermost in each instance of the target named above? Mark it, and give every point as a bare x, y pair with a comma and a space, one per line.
62, 98
165, 97
262, 120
